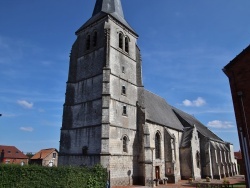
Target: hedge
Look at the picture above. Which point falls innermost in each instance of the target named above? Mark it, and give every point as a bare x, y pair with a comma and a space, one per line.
32, 176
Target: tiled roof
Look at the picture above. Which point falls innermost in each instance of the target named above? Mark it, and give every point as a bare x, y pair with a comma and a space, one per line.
42, 154
159, 111
12, 152
189, 120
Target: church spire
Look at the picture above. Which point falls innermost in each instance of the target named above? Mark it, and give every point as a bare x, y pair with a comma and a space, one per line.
108, 6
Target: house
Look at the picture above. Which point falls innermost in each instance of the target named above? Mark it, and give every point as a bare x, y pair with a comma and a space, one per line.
12, 155
240, 162
45, 157
238, 73
109, 118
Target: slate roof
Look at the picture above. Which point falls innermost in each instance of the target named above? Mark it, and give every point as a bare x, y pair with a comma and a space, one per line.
11, 152
104, 8
42, 154
186, 137
189, 120
159, 111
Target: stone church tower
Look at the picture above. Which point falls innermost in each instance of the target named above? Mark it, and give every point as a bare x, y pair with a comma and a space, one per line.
99, 118
110, 119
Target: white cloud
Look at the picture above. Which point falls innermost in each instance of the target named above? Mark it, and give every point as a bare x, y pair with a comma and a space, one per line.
220, 124
25, 104
197, 103
28, 129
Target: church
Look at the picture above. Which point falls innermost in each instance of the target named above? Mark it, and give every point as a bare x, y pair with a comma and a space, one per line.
109, 118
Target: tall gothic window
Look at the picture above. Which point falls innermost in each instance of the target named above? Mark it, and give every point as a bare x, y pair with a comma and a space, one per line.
126, 44
121, 40
95, 38
124, 144
157, 146
88, 42
198, 159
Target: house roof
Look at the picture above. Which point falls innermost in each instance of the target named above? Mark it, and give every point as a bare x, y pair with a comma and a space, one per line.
157, 110
42, 154
238, 155
235, 60
12, 152
189, 120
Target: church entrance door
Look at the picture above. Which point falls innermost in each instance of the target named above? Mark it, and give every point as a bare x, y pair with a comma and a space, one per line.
157, 172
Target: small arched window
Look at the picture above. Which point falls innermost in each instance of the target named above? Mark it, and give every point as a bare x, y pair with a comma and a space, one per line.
126, 44
123, 90
88, 42
121, 40
125, 144
157, 146
95, 39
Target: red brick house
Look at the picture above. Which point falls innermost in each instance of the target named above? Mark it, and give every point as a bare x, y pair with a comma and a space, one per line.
240, 162
12, 155
238, 72
45, 157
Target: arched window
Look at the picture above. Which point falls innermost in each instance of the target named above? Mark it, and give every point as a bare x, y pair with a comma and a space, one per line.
121, 40
95, 39
157, 146
88, 42
125, 144
198, 159
123, 90
126, 44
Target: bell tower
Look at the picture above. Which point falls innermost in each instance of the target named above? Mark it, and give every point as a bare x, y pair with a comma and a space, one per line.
100, 111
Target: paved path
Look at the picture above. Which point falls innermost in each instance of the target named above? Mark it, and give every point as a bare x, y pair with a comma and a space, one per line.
184, 183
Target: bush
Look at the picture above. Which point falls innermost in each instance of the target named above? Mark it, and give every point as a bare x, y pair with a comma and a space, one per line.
31, 176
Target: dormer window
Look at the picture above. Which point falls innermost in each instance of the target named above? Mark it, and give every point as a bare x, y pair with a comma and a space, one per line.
121, 40
127, 44
88, 42
95, 39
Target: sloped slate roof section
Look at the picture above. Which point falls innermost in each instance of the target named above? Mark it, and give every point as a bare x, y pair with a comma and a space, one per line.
202, 129
108, 6
159, 111
186, 137
104, 8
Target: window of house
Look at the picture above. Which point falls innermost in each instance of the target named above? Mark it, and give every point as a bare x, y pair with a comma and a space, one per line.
95, 39
124, 144
54, 155
120, 40
157, 146
123, 90
126, 44
88, 42
124, 110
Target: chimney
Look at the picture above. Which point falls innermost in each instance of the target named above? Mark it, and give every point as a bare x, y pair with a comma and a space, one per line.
2, 156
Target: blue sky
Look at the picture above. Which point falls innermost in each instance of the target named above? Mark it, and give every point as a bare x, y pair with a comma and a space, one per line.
184, 46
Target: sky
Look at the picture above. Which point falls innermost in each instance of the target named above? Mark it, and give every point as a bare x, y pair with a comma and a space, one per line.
184, 46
